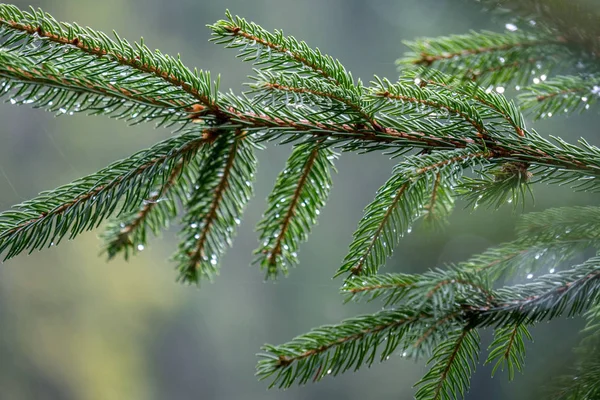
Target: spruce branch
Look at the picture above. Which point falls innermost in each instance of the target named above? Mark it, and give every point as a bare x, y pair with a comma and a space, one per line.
508, 183
83, 204
508, 349
398, 203
453, 362
219, 195
439, 205
572, 291
273, 51
128, 233
575, 22
48, 37
561, 95
441, 125
301, 190
490, 58
334, 349
62, 91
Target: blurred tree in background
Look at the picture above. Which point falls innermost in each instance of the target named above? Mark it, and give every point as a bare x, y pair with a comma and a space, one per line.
124, 331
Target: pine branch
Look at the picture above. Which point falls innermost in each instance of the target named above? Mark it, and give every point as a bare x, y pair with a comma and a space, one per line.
398, 204
226, 173
128, 234
293, 90
83, 204
508, 183
496, 105
571, 291
300, 192
575, 21
300, 95
561, 95
47, 37
490, 58
454, 362
392, 287
333, 349
439, 205
436, 290
274, 51
508, 349
65, 92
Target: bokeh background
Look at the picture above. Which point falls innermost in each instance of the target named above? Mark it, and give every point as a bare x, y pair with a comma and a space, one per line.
73, 326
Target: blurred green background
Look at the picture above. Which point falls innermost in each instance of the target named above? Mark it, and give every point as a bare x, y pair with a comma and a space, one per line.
73, 326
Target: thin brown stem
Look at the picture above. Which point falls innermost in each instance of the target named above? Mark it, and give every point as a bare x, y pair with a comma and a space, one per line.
237, 31
448, 366
357, 269
121, 58
151, 203
211, 216
191, 146
286, 361
272, 259
478, 127
428, 59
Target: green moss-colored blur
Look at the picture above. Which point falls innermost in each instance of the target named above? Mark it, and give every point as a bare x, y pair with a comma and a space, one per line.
73, 326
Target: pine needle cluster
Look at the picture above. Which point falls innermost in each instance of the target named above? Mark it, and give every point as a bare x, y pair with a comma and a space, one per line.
446, 120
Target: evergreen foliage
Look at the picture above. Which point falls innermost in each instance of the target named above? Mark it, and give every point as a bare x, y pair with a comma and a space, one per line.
445, 118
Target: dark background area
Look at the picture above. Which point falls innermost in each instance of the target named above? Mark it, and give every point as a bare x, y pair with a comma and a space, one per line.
73, 326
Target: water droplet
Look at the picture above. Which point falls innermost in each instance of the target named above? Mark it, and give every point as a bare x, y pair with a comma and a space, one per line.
584, 99
317, 212
13, 101
417, 81
511, 27
213, 261
536, 80
237, 221
552, 270
529, 276
194, 225
543, 77
549, 114
500, 89
197, 236
140, 247
537, 256
517, 88
328, 371
409, 230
